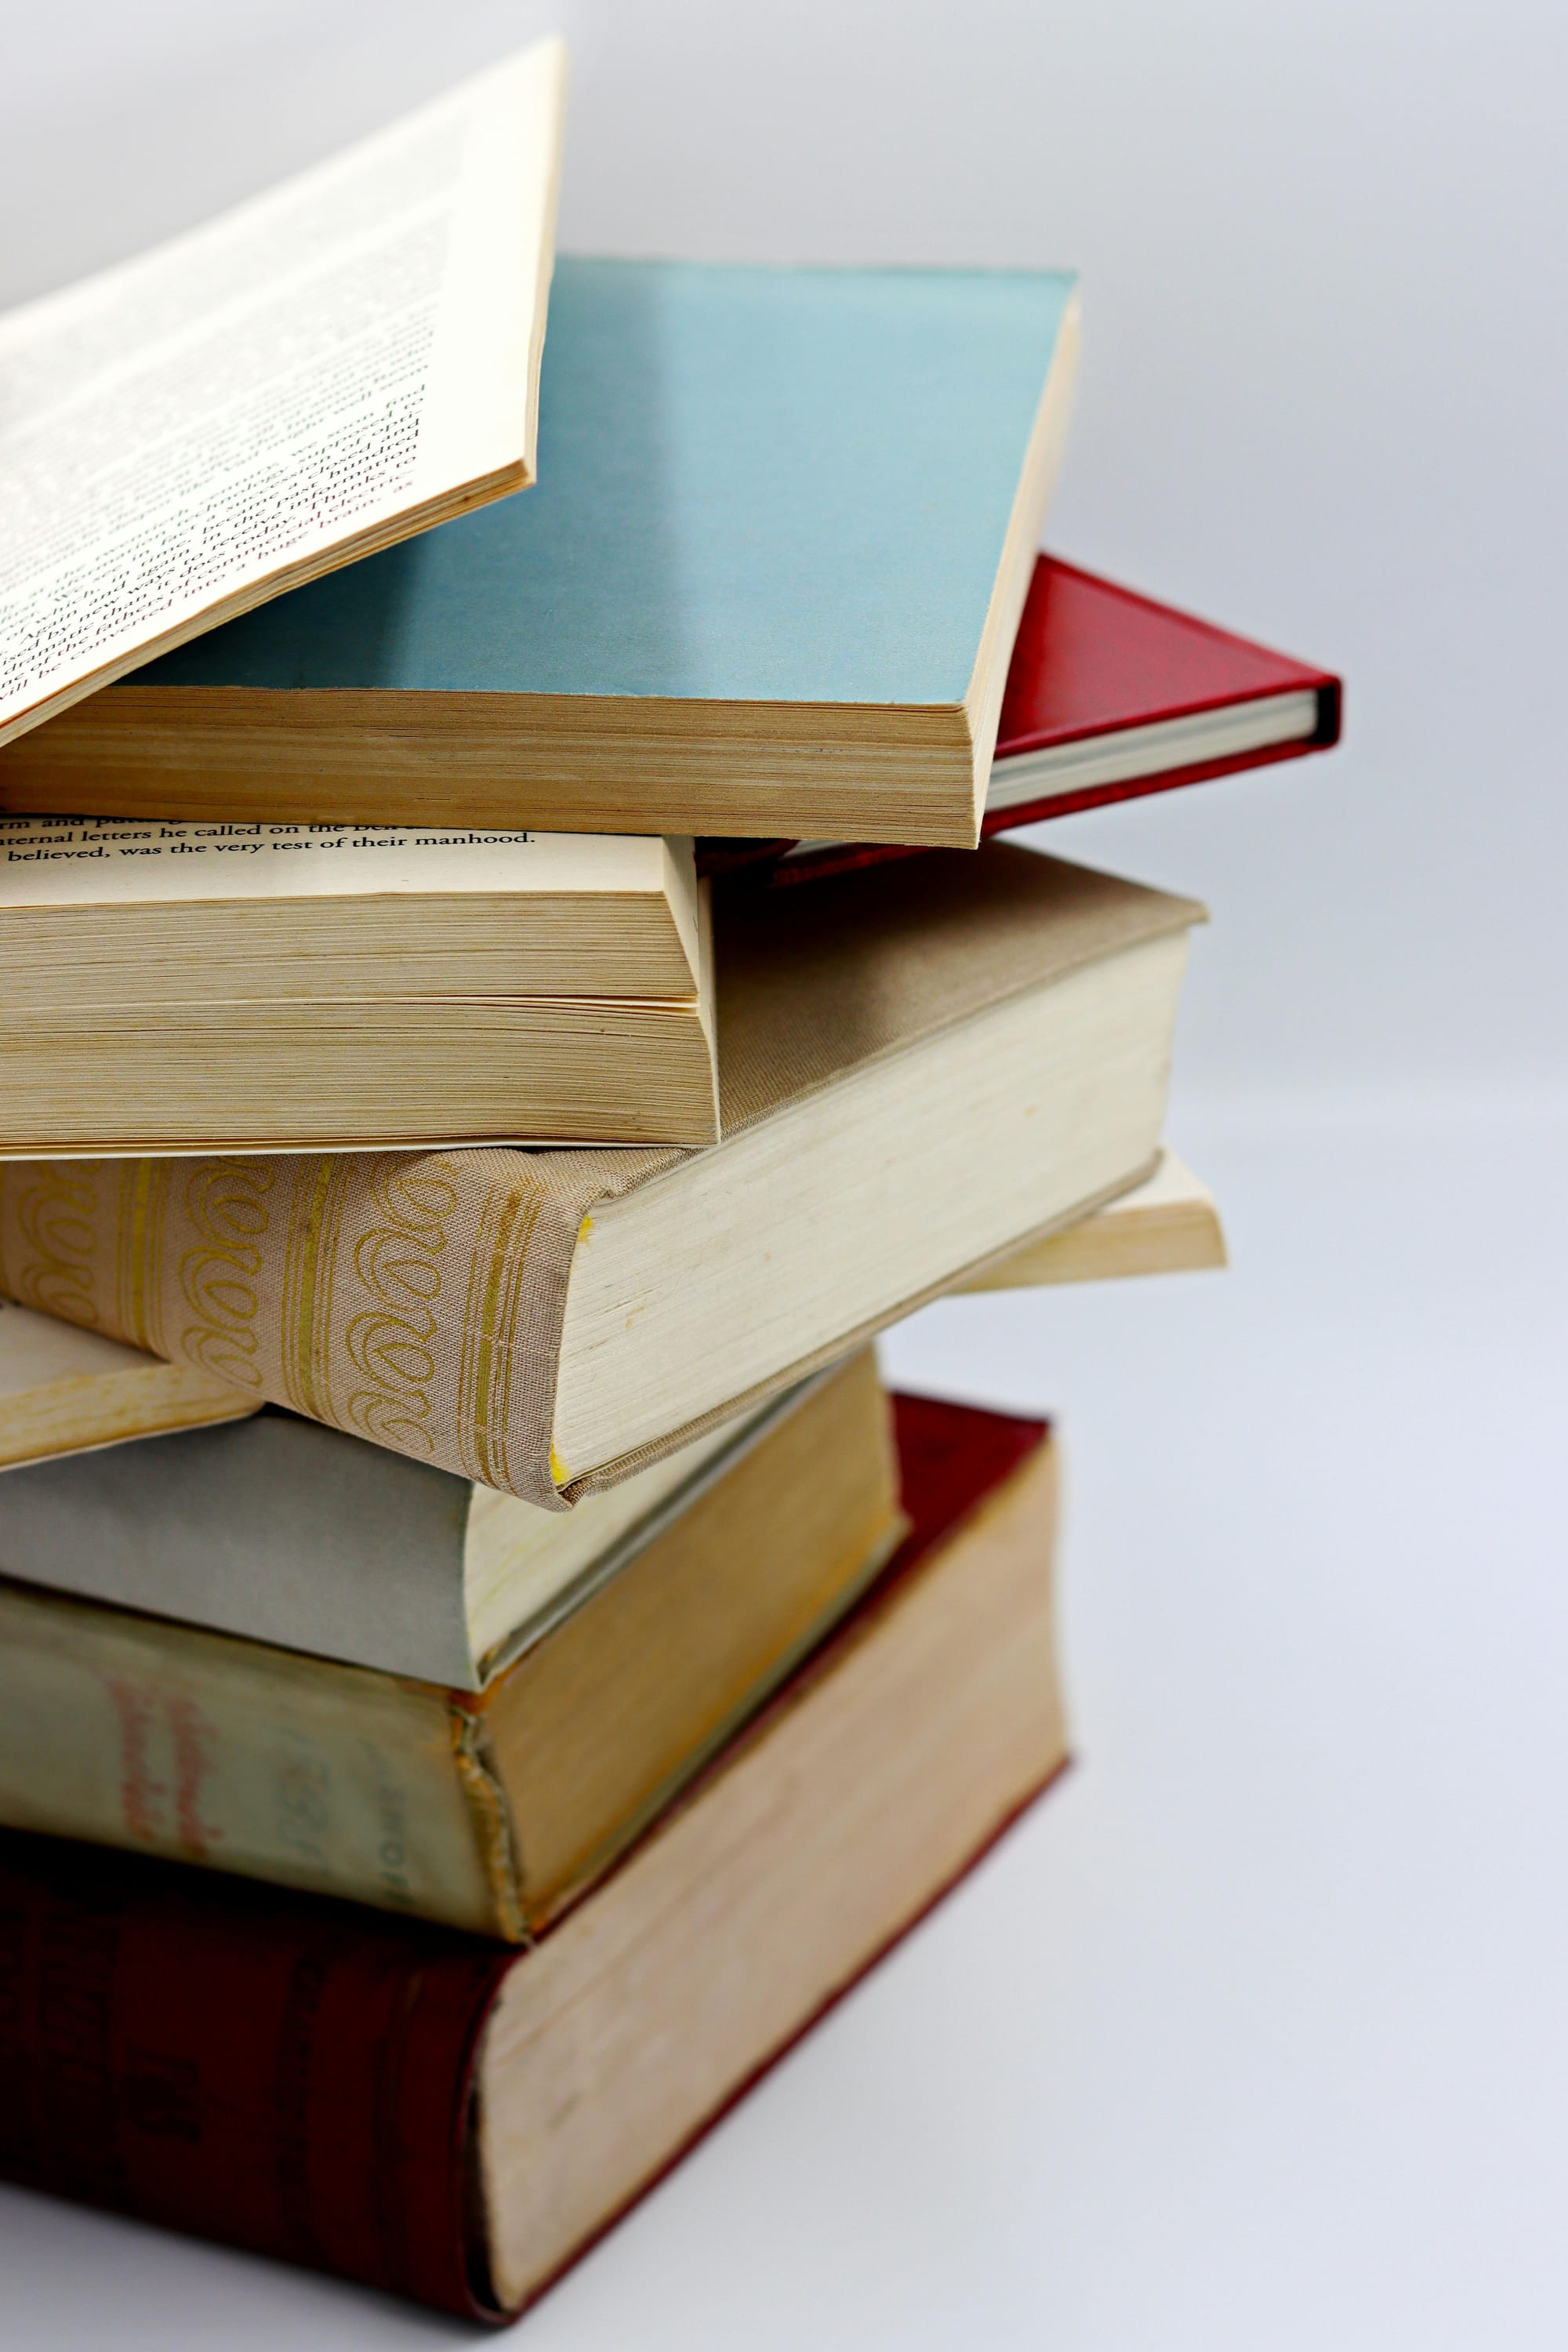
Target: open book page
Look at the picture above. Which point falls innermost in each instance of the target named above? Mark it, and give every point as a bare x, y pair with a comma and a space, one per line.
324, 370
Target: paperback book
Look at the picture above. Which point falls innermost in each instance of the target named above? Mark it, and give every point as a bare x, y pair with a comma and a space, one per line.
245, 987
352, 356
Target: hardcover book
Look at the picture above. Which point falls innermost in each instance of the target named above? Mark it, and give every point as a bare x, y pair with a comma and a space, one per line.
922, 1067
349, 358
768, 584
492, 1807
441, 2117
1110, 696
314, 1495
244, 987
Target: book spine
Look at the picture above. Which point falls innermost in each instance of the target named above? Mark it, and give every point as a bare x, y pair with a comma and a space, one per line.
412, 1299
286, 2076
205, 1749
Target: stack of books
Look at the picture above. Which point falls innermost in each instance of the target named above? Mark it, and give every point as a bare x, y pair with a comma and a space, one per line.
507, 987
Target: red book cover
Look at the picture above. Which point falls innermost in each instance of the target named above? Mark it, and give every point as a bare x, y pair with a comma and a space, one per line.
1110, 696
293, 2074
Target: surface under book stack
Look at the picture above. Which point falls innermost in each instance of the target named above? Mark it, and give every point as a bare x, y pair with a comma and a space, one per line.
507, 985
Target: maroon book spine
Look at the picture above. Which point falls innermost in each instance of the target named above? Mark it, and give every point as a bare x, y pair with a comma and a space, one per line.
288, 2074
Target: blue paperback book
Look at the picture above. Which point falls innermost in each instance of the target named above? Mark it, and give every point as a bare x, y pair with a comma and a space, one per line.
767, 585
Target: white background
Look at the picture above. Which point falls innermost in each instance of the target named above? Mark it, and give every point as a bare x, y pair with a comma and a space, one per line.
1255, 2033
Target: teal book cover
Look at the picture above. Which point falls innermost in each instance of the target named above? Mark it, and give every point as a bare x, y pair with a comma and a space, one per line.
755, 485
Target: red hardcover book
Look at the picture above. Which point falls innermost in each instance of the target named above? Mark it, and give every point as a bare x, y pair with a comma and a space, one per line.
450, 2120
1110, 696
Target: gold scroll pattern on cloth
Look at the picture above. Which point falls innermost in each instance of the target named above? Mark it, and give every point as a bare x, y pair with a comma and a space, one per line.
416, 1299
47, 1257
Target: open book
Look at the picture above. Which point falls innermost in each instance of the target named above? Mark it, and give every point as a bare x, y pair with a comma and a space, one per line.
316, 373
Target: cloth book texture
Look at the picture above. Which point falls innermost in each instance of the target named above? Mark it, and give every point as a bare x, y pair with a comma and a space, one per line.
420, 1300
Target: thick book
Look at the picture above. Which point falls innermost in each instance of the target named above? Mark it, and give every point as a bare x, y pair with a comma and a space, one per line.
250, 987
922, 1067
63, 1391
491, 1809
349, 358
440, 2118
311, 1495
768, 584
1110, 696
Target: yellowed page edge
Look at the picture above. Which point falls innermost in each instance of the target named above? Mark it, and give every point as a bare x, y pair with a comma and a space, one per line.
1170, 1224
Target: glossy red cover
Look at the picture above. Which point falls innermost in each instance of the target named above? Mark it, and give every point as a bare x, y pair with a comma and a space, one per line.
1093, 659
287, 2073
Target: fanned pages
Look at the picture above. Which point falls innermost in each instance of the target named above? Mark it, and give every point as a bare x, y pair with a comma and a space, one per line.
316, 373
922, 1067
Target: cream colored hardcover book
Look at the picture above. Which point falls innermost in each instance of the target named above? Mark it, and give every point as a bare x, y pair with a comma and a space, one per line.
491, 1809
63, 1391
931, 1062
242, 987
321, 372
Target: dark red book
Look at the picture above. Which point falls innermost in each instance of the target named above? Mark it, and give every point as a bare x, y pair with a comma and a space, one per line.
450, 2120
1110, 696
